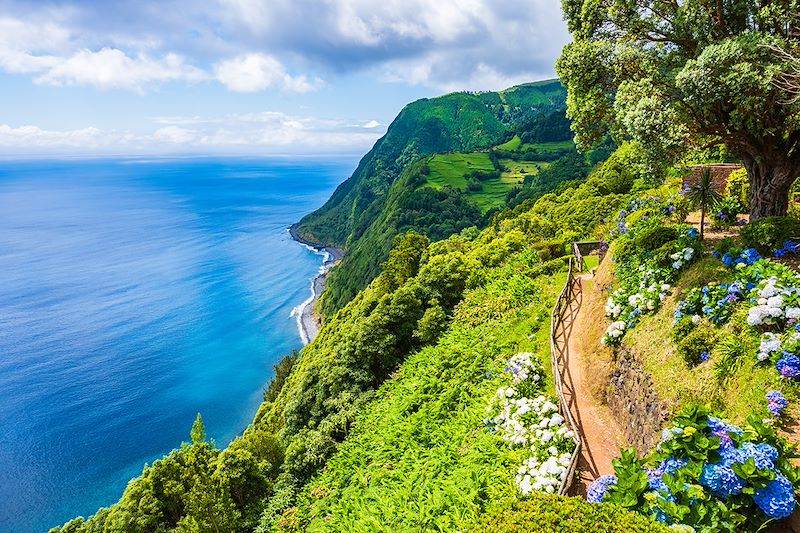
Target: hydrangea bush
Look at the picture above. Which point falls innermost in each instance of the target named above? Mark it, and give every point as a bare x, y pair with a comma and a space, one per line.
645, 276
769, 291
523, 417
707, 474
726, 213
713, 301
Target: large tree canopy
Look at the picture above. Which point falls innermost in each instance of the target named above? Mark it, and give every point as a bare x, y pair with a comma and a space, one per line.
672, 74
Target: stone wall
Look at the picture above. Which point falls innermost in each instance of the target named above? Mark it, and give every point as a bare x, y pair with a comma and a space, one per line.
634, 402
719, 174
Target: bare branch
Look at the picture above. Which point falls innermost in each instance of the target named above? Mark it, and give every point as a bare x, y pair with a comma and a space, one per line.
789, 80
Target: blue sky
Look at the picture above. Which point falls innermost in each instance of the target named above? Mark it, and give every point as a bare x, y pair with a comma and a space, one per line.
250, 76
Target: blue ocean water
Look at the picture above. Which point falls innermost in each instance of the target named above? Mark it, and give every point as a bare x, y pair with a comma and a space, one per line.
133, 295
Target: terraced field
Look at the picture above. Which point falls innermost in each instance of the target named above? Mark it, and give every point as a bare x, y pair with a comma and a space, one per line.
453, 170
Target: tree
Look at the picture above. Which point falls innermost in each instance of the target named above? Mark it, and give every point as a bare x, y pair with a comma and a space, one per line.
703, 195
198, 432
673, 75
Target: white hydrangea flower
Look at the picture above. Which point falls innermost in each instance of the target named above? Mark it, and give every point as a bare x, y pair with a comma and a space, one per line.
770, 344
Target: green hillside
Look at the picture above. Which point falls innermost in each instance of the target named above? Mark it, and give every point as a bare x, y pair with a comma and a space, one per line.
359, 217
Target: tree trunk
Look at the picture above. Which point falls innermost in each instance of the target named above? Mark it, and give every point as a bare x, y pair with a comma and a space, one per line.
771, 177
702, 222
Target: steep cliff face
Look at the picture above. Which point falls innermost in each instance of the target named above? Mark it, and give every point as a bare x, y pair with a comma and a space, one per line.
384, 197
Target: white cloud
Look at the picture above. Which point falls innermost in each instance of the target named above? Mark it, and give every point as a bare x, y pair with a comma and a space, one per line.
247, 133
32, 137
256, 72
255, 45
110, 68
175, 135
446, 44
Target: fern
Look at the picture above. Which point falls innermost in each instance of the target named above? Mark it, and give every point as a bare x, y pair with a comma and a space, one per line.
731, 350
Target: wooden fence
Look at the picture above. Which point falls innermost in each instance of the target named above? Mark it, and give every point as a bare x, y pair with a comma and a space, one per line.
557, 355
584, 248
559, 342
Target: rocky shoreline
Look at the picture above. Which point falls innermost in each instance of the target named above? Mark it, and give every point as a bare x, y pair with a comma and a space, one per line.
308, 322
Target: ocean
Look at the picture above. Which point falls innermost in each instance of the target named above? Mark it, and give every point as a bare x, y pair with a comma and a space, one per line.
135, 294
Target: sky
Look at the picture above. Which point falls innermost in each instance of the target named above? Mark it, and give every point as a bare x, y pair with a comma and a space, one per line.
251, 77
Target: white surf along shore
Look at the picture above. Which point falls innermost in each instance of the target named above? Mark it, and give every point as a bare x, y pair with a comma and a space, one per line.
308, 324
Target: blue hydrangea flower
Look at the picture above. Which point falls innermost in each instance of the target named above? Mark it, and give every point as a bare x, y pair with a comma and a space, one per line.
776, 402
720, 479
763, 454
777, 499
705, 356
597, 490
789, 366
751, 256
723, 431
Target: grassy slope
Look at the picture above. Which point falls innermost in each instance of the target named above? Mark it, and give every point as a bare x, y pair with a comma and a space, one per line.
736, 398
419, 458
512, 144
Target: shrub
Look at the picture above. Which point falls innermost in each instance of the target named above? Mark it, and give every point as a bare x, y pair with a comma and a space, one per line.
700, 341
727, 245
473, 185
681, 330
549, 250
623, 248
708, 474
768, 234
738, 188
432, 324
656, 237
726, 212
554, 514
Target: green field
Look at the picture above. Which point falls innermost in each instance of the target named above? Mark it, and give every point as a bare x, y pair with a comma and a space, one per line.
452, 170
513, 144
552, 147
517, 170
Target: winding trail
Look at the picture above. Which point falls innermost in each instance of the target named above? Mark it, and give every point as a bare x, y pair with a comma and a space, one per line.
601, 438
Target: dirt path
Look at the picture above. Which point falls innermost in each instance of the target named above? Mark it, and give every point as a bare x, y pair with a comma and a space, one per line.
601, 436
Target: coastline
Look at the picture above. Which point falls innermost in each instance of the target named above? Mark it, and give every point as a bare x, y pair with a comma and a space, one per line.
308, 323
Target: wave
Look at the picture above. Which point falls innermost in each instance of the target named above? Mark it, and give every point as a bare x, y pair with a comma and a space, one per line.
299, 311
